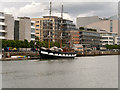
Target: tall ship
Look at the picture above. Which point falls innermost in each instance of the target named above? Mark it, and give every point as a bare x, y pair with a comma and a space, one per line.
55, 52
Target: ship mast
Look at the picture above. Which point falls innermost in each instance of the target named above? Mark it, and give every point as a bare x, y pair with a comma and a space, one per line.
49, 24
61, 27
62, 11
50, 12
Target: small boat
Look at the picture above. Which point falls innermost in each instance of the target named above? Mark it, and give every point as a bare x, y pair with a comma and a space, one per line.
53, 54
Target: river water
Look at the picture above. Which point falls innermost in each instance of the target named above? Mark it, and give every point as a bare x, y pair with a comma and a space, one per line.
81, 72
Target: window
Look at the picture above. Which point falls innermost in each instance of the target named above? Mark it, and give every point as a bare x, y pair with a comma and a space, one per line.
110, 25
37, 21
37, 33
32, 24
2, 34
1, 20
104, 37
110, 38
1, 14
32, 36
37, 29
37, 25
32, 30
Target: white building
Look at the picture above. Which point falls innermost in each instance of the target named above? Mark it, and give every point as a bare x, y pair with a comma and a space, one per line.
117, 40
32, 30
108, 38
2, 26
6, 26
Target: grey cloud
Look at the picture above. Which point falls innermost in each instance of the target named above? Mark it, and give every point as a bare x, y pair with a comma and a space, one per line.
102, 9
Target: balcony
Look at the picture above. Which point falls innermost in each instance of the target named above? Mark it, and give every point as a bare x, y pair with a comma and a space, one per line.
33, 33
2, 37
2, 17
2, 23
3, 31
32, 26
33, 39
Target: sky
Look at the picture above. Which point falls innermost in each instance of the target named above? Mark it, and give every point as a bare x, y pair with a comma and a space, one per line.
73, 8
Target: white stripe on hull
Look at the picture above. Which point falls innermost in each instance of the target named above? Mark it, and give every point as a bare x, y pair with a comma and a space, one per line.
61, 55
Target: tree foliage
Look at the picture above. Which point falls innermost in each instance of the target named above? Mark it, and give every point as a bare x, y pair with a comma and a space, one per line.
112, 46
26, 44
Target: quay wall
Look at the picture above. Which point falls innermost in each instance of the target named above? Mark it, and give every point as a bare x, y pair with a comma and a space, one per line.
27, 53
6, 56
97, 53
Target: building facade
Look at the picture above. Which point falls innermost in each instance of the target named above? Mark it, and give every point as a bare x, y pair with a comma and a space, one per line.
47, 27
24, 29
117, 40
109, 24
70, 38
108, 38
89, 38
83, 21
52, 27
6, 26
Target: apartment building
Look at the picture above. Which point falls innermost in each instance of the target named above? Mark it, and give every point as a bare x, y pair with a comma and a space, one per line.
6, 26
47, 27
52, 27
24, 29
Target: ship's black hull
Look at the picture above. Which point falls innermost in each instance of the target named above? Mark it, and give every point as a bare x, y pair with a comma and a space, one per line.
47, 54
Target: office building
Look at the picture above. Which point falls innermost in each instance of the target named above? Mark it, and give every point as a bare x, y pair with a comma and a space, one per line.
109, 38
89, 38
109, 24
83, 21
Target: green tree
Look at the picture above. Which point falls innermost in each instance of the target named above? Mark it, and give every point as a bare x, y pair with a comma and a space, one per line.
32, 44
26, 43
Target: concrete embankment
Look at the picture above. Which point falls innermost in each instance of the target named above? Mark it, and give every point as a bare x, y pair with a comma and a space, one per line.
29, 55
20, 55
97, 53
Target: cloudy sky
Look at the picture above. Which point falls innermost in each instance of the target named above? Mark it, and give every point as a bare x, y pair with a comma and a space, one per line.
36, 8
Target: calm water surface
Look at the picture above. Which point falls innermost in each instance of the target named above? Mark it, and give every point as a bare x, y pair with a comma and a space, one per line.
81, 72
